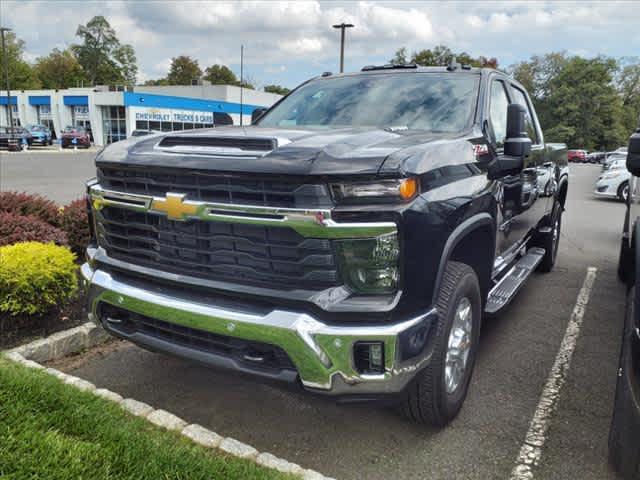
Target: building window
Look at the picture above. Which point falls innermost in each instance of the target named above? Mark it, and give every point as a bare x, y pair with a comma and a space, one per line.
114, 124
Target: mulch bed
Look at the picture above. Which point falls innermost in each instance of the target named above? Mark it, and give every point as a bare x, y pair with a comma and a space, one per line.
17, 330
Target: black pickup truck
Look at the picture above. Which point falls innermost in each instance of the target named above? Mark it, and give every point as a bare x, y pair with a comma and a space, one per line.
349, 241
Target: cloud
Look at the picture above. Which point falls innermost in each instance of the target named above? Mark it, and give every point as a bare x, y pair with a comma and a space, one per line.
297, 35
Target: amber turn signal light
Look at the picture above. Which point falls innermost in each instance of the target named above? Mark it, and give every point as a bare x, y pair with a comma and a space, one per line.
408, 188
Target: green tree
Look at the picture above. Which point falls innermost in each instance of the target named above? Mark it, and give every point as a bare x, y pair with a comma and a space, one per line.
21, 74
59, 69
126, 60
156, 83
440, 56
278, 89
103, 58
183, 71
580, 102
583, 108
628, 82
220, 75
400, 57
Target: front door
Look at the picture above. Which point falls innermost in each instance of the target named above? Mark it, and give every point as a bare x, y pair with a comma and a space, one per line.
521, 203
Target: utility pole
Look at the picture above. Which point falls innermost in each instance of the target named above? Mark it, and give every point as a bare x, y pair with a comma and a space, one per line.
241, 78
6, 74
342, 26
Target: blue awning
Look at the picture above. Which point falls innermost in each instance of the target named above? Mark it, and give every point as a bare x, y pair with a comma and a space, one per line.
76, 100
39, 100
3, 100
150, 100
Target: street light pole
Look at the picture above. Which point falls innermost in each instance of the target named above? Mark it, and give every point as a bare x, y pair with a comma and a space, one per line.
342, 26
6, 74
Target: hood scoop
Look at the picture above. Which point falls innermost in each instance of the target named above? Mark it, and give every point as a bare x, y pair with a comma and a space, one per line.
236, 146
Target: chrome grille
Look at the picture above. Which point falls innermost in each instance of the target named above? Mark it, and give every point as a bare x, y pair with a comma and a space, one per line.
217, 188
251, 254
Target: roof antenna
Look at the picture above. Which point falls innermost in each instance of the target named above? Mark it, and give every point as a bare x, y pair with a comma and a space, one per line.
453, 64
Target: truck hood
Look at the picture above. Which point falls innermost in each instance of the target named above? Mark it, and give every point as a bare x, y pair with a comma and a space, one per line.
345, 151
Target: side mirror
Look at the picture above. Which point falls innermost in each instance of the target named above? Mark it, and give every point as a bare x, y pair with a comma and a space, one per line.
633, 154
517, 145
256, 114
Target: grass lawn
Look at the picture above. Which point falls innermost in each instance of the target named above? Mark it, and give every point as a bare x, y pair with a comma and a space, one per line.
52, 431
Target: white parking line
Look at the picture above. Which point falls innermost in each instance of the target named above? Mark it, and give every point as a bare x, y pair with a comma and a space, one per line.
531, 450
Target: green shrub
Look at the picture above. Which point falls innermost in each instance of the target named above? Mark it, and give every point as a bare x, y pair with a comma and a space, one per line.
75, 223
35, 277
17, 228
29, 205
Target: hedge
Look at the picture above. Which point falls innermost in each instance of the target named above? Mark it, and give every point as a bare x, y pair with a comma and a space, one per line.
36, 277
75, 223
18, 228
29, 205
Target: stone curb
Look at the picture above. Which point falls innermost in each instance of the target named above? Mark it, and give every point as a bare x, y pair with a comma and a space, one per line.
76, 339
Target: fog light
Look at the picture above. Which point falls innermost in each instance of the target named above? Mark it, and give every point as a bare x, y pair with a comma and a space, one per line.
369, 357
370, 266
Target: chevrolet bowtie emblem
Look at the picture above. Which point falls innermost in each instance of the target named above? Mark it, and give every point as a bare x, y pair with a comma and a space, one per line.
175, 206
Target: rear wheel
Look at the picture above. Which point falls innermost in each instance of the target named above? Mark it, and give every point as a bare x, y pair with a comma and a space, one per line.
437, 393
551, 240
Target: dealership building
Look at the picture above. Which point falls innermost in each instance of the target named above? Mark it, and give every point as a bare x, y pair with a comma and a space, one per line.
112, 115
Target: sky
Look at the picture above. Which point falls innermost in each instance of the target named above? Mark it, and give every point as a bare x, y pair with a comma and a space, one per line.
288, 42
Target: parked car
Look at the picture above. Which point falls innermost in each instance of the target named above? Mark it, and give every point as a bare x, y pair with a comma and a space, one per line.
40, 133
596, 157
294, 249
613, 159
624, 436
75, 137
578, 156
614, 182
142, 133
15, 138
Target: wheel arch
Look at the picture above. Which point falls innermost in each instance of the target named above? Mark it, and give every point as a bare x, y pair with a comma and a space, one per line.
563, 188
473, 235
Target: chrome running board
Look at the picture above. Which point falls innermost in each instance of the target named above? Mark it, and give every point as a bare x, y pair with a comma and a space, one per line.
504, 291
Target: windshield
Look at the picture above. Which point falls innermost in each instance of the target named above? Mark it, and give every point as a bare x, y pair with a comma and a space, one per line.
36, 128
73, 130
425, 101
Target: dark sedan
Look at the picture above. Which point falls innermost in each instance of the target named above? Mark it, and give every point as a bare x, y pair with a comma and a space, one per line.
15, 138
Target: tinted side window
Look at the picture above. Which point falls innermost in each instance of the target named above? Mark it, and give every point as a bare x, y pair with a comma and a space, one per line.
498, 111
521, 99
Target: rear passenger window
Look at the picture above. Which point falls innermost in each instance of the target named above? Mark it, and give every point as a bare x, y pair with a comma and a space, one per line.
521, 99
498, 111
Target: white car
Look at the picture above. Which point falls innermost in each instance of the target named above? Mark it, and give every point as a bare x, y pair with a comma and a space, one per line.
614, 182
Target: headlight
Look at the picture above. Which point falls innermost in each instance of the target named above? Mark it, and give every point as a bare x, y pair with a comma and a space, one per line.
370, 266
395, 190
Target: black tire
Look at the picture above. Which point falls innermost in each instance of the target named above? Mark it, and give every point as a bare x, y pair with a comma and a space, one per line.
624, 449
551, 240
623, 191
426, 398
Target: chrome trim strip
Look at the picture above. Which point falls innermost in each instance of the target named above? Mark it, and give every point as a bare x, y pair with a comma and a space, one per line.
313, 223
322, 354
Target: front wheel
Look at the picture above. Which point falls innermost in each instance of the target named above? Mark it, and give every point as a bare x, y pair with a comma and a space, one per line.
437, 393
623, 191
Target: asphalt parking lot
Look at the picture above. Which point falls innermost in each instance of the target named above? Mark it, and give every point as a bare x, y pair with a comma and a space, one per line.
57, 174
518, 350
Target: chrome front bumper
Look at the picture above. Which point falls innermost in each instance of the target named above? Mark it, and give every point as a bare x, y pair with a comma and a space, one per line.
322, 353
